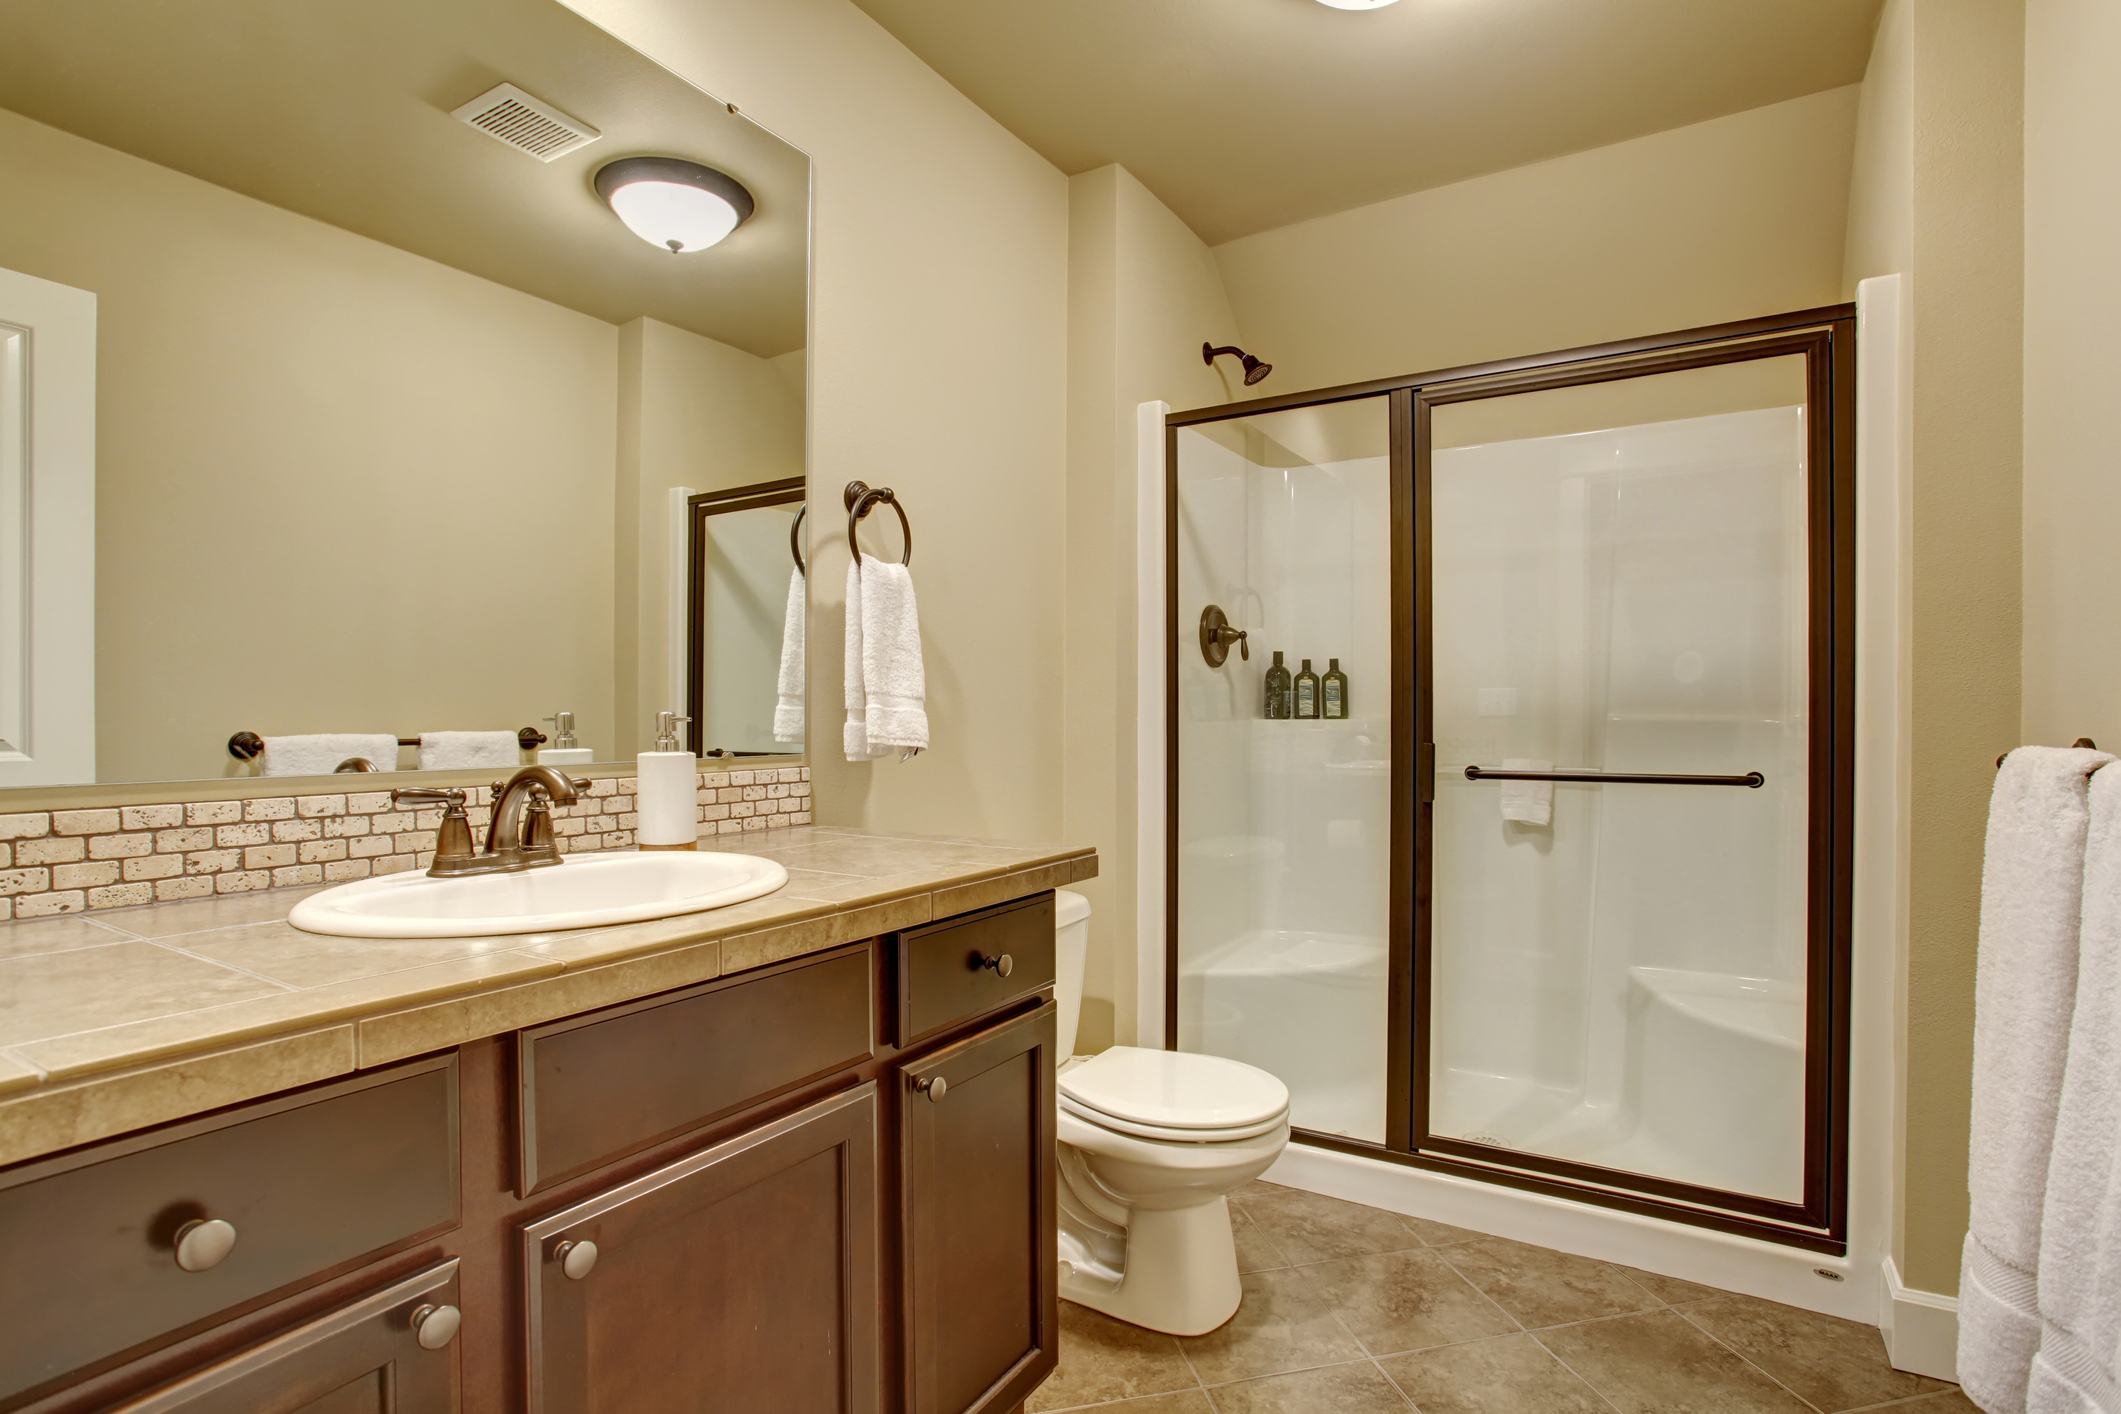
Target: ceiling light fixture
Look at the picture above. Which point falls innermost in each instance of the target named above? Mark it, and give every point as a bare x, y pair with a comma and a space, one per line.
669, 202
1356, 4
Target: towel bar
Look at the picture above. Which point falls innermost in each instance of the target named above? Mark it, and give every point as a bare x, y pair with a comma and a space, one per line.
249, 746
1752, 780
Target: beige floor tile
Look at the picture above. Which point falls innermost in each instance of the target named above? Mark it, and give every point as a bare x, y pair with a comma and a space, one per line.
1102, 1359
1310, 1227
1670, 1290
1656, 1363
1435, 1234
1189, 1402
1256, 1251
1282, 1325
1343, 1389
1949, 1401
1394, 1301
1541, 1287
1832, 1363
1511, 1374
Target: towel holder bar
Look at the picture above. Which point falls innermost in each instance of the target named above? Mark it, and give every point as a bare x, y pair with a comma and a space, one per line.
862, 498
2082, 743
249, 746
1752, 780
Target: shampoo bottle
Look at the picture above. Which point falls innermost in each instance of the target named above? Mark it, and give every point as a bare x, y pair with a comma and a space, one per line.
1333, 691
563, 751
667, 794
1278, 709
1306, 693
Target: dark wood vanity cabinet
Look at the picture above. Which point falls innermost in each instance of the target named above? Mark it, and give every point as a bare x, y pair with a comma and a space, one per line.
980, 1300
824, 1186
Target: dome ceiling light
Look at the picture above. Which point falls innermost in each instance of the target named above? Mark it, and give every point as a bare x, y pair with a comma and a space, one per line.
670, 202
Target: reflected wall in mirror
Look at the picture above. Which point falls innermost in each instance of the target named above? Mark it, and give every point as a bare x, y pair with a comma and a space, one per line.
386, 408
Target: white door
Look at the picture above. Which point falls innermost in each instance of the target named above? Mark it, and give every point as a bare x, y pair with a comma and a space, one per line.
47, 532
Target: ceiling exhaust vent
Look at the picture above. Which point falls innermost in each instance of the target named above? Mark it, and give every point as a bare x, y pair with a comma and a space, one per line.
507, 114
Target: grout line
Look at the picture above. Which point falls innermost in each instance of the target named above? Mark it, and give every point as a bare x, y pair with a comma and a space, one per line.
113, 941
1719, 1340
216, 962
1585, 1380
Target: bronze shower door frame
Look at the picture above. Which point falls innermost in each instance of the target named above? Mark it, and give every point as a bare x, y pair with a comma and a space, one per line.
788, 490
1825, 338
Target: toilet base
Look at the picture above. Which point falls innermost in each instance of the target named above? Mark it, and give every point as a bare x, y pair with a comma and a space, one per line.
1178, 1272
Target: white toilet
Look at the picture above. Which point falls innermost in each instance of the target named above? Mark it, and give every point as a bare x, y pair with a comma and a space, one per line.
1151, 1144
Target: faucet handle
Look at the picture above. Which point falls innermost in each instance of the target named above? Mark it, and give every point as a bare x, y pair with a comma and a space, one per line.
452, 796
454, 851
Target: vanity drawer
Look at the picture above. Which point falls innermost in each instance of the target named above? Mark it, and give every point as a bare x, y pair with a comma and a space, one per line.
304, 1183
972, 964
597, 1087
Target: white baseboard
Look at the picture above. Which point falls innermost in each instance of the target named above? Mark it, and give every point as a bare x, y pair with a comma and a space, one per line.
1921, 1328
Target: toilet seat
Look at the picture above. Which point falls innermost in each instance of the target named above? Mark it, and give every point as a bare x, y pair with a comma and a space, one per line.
1175, 1096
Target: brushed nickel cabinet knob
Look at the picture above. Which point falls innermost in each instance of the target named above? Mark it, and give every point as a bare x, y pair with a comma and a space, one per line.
1000, 966
933, 1086
577, 1259
204, 1243
435, 1326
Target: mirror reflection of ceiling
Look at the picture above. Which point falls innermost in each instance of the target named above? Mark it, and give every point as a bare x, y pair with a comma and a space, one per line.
1245, 115
341, 112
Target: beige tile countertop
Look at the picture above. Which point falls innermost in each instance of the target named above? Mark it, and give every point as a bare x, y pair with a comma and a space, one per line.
135, 1016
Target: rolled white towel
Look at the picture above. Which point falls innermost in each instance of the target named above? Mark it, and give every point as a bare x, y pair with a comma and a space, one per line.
1527, 802
319, 753
461, 751
788, 705
2025, 983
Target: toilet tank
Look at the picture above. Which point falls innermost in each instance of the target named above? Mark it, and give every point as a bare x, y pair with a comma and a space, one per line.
1071, 939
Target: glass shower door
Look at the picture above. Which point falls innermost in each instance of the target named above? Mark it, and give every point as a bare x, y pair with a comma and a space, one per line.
1623, 684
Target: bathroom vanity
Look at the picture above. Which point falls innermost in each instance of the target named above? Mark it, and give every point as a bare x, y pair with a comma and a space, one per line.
796, 1154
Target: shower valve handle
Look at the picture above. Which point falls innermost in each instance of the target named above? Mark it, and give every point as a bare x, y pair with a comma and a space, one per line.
1217, 633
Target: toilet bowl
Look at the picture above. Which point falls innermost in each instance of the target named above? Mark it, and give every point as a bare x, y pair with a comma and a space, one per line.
1151, 1145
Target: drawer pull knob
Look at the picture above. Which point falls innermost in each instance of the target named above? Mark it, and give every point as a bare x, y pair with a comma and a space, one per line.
576, 1259
204, 1243
933, 1086
435, 1326
1000, 966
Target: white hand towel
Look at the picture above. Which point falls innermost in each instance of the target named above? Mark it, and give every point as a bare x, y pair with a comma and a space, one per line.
320, 754
894, 682
788, 706
2080, 1234
462, 751
1527, 802
854, 737
2032, 876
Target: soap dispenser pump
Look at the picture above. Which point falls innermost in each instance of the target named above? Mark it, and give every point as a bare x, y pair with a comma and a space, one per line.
667, 793
564, 750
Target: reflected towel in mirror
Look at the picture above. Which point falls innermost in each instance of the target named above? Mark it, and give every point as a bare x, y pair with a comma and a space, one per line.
460, 751
319, 753
788, 706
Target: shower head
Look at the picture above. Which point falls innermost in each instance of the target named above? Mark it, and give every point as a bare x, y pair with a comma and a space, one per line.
1254, 369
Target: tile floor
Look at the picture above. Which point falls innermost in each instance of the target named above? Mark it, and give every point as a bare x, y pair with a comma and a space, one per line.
1353, 1310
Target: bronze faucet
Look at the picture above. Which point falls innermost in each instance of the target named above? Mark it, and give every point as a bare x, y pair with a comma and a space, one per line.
520, 836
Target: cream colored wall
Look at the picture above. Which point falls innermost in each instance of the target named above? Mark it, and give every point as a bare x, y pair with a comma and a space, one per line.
1722, 220
705, 415
1951, 75
1143, 293
2072, 682
259, 369
938, 366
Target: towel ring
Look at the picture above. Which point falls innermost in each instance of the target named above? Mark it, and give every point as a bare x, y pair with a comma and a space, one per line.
795, 538
861, 499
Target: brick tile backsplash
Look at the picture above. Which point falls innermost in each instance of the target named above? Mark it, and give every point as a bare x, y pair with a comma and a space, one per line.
73, 861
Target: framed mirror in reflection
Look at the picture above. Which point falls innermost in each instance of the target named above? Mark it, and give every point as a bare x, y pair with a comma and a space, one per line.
357, 377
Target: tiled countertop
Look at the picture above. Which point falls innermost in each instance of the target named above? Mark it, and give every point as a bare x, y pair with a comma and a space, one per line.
135, 1016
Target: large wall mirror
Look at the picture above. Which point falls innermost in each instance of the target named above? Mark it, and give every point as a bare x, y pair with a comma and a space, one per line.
398, 386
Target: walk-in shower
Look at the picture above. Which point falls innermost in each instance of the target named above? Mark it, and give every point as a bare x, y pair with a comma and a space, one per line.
1561, 899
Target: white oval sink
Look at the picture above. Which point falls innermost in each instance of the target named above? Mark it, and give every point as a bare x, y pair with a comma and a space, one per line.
584, 891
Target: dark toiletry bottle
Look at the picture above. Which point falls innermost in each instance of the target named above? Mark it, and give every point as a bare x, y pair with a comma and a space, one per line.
1333, 691
1306, 693
1278, 709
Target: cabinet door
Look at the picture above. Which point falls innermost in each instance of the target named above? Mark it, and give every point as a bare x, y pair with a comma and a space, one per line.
390, 1353
741, 1278
980, 1284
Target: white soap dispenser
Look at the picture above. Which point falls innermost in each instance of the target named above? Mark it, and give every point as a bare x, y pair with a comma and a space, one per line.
563, 751
667, 795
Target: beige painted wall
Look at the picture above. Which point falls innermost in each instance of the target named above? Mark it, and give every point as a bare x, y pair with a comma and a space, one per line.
938, 367
1722, 220
2072, 307
1143, 292
257, 369
1950, 75
697, 413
